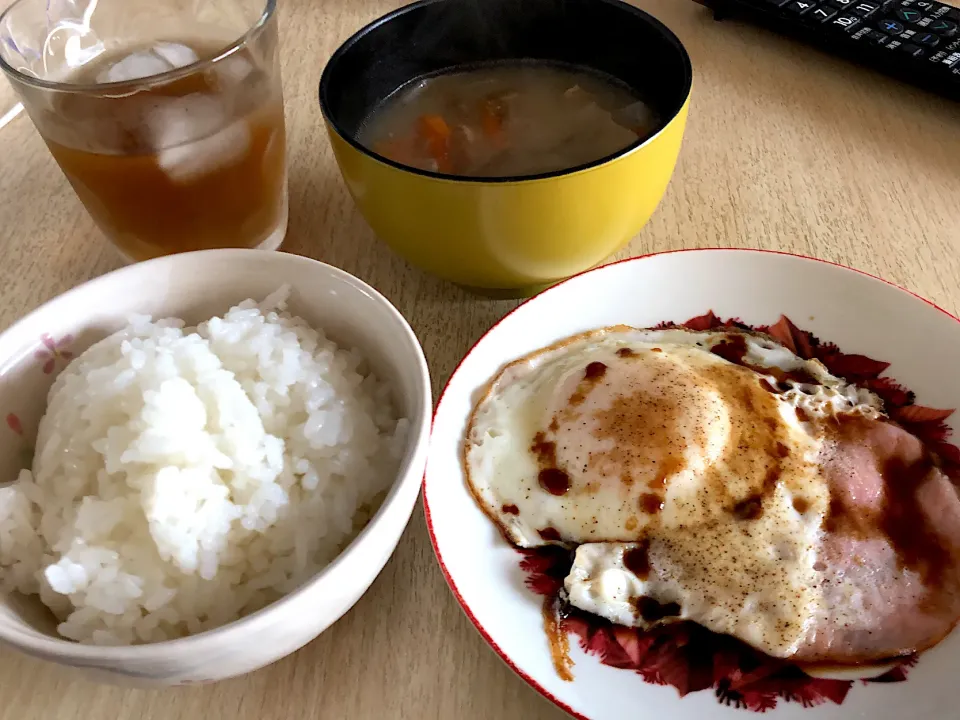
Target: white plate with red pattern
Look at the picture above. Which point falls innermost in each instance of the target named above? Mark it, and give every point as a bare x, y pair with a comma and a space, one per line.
861, 314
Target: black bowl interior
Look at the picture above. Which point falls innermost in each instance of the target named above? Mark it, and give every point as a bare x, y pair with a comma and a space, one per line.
428, 37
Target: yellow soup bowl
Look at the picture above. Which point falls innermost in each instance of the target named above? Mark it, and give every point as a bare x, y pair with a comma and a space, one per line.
508, 235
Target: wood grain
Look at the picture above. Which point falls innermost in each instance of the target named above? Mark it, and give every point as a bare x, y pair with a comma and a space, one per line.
786, 149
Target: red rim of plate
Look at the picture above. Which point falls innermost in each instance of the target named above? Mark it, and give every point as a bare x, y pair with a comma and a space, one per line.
426, 505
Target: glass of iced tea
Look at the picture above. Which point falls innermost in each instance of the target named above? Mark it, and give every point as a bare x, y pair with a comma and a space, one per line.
166, 116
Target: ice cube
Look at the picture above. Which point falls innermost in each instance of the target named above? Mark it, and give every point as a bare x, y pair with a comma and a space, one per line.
160, 58
174, 121
189, 161
176, 54
235, 70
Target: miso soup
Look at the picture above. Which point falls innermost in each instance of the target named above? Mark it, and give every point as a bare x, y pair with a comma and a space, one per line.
507, 120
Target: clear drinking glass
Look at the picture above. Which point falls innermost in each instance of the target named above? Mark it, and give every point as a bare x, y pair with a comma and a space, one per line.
166, 116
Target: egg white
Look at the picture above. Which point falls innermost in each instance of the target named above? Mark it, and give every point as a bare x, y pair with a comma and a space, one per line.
752, 580
502, 470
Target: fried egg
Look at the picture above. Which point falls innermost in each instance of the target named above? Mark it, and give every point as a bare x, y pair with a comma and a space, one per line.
683, 464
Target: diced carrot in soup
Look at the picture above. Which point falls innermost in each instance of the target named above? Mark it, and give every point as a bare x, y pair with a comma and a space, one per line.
510, 120
436, 133
491, 120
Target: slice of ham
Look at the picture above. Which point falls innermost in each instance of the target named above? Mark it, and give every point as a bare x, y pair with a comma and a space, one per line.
882, 579
890, 555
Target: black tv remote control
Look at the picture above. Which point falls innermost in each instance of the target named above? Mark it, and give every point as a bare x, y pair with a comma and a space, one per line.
914, 40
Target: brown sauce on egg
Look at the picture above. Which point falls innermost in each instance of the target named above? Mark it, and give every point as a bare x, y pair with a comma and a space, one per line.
653, 611
643, 429
650, 426
551, 478
734, 349
549, 534
510, 510
558, 639
670, 465
545, 450
651, 503
592, 374
594, 371
637, 559
765, 384
554, 480
749, 509
625, 353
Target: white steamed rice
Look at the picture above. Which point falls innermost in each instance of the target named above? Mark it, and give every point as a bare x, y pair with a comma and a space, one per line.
184, 477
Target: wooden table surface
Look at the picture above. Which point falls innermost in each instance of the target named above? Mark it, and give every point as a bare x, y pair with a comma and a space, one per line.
786, 149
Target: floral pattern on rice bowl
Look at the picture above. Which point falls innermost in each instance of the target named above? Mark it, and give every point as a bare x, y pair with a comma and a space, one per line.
54, 355
54, 351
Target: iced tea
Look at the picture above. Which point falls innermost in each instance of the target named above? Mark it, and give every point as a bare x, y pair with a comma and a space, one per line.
195, 163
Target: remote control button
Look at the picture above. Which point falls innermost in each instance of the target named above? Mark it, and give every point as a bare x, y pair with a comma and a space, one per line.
914, 50
908, 15
946, 28
928, 39
801, 6
865, 9
848, 23
842, 4
823, 13
892, 27
954, 14
952, 61
877, 37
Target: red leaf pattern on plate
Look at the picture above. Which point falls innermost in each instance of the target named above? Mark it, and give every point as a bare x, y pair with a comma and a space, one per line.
920, 414
926, 423
793, 337
703, 322
691, 658
811, 692
854, 368
894, 395
897, 674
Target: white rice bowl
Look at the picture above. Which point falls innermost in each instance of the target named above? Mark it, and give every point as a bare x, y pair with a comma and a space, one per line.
185, 477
